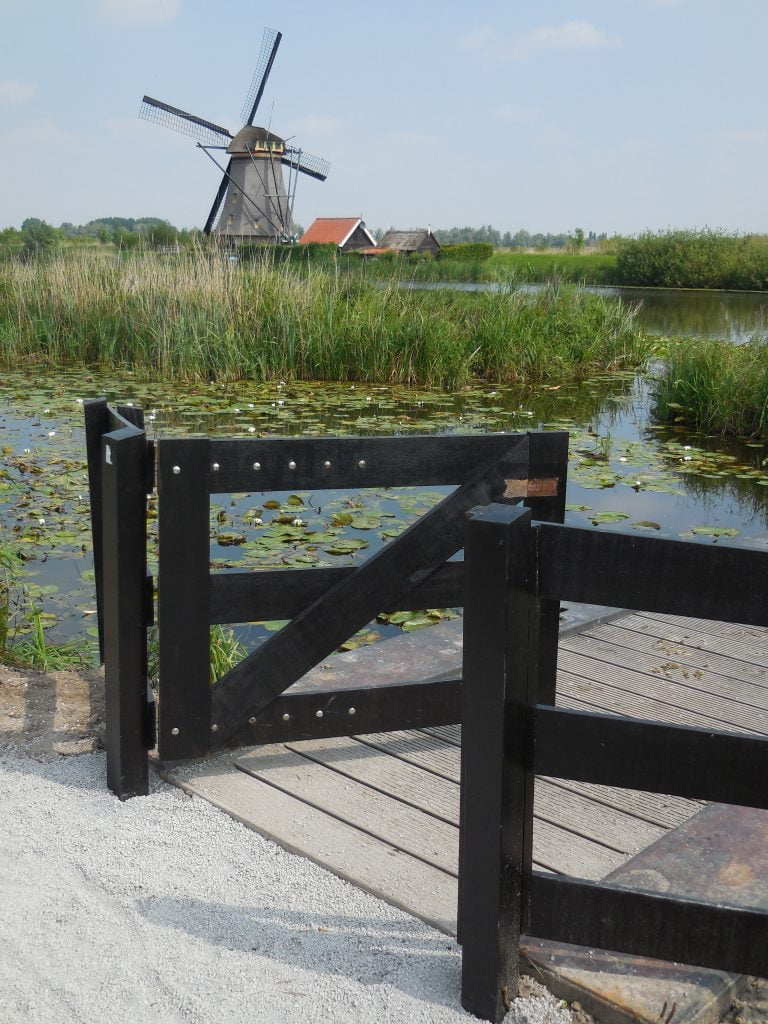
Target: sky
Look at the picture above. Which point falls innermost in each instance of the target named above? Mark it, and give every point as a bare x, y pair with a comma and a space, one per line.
615, 116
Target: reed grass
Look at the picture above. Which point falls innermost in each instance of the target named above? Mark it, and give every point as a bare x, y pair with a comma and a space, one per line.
201, 317
717, 387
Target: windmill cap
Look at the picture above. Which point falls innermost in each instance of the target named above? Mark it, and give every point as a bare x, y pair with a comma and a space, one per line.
247, 138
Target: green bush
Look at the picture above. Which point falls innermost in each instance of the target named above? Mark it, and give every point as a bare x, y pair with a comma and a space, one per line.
693, 259
469, 252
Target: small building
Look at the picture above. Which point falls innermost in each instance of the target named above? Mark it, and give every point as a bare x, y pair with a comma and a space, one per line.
347, 232
408, 242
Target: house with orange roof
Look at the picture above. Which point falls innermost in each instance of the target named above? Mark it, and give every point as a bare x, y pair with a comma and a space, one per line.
347, 232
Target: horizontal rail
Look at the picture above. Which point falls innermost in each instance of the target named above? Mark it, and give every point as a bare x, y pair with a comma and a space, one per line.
347, 712
290, 463
724, 938
639, 754
653, 574
283, 593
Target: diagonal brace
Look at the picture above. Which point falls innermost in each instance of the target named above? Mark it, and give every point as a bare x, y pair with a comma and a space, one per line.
394, 570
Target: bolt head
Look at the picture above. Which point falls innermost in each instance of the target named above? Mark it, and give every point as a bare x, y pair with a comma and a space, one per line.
361, 463
286, 717
175, 731
352, 711
176, 470
318, 714
215, 467
252, 720
257, 466
327, 464
291, 464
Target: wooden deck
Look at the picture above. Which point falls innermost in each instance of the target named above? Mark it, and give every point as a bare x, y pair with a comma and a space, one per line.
382, 810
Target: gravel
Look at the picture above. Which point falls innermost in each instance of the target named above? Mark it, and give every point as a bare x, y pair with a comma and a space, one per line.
164, 909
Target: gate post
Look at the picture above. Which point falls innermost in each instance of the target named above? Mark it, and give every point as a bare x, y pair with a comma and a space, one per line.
183, 598
124, 589
496, 772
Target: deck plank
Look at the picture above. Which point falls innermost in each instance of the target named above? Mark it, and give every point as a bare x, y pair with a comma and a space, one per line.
404, 881
741, 649
666, 668
634, 634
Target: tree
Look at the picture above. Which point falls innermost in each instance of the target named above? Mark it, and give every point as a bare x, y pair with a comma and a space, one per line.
37, 237
577, 240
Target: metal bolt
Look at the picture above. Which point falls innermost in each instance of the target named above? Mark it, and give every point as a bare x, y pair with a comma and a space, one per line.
352, 711
257, 465
252, 720
215, 467
291, 465
286, 717
214, 728
174, 731
318, 714
361, 463
176, 470
327, 464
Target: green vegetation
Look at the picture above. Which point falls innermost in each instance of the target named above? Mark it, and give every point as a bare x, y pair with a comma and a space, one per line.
693, 259
716, 387
201, 317
467, 252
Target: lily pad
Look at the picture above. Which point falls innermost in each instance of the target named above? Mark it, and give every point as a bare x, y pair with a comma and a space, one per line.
715, 531
608, 517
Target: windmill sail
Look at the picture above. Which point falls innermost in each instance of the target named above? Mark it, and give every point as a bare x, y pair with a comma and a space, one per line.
206, 132
314, 166
269, 44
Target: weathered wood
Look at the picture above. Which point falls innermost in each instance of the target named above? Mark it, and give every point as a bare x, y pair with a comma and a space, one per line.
727, 638
183, 615
657, 758
430, 460
665, 811
649, 924
343, 712
496, 781
283, 593
318, 630
124, 566
346, 851
654, 574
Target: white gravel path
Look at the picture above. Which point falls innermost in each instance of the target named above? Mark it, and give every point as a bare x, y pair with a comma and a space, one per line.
163, 909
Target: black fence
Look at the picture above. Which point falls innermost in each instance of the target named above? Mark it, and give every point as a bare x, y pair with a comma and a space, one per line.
509, 735
325, 606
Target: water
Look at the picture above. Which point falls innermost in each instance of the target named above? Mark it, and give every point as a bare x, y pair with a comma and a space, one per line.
623, 473
733, 316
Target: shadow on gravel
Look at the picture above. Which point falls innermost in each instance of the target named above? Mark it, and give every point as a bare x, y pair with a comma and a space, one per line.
370, 951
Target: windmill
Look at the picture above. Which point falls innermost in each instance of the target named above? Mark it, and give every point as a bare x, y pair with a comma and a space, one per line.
253, 203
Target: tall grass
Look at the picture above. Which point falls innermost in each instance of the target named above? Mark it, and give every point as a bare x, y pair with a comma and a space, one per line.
518, 267
200, 317
693, 259
716, 387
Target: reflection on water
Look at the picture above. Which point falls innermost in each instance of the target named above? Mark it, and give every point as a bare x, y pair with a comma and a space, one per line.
621, 466
732, 316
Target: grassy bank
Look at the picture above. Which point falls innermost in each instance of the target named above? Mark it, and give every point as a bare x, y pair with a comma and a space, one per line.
504, 267
715, 387
201, 317
693, 259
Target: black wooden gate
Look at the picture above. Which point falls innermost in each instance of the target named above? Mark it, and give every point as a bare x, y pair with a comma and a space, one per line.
509, 735
326, 606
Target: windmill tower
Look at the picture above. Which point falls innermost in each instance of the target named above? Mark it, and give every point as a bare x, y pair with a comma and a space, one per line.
254, 203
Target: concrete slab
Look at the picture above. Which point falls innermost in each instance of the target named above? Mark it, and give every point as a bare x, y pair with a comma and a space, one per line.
720, 855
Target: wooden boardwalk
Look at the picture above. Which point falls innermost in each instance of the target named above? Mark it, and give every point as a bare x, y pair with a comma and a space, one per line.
382, 810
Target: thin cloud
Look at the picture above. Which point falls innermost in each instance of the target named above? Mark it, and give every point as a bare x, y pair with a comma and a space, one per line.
571, 35
12, 92
45, 132
316, 126
140, 12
